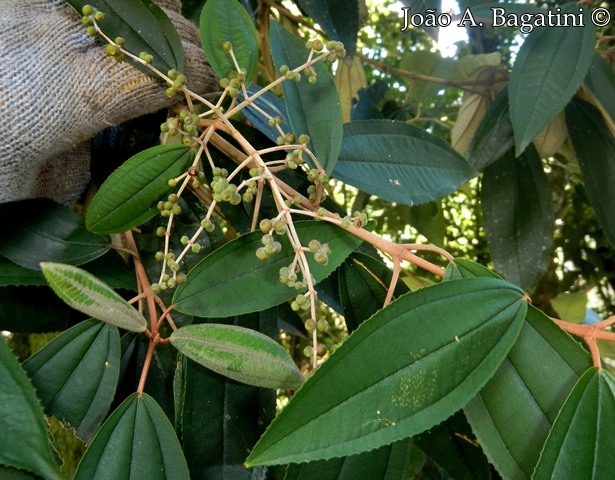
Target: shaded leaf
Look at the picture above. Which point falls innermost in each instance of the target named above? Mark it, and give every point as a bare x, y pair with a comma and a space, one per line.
129, 196
580, 444
23, 442
212, 286
513, 413
270, 103
601, 81
314, 110
32, 310
518, 217
390, 462
399, 162
75, 375
549, 68
136, 441
407, 368
41, 230
224, 21
595, 149
453, 447
84, 292
239, 353
12, 274
144, 26
494, 136
363, 286
338, 18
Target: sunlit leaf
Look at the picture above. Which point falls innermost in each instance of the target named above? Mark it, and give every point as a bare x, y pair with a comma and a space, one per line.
582, 438
136, 441
407, 368
595, 149
75, 375
314, 110
212, 286
144, 26
84, 292
239, 353
399, 162
23, 443
518, 216
570, 307
227, 21
549, 68
129, 196
41, 230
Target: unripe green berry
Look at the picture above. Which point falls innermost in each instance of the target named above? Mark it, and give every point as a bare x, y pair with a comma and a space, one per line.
311, 80
146, 57
265, 225
196, 248
120, 41
160, 231
91, 31
174, 266
310, 324
87, 9
159, 256
321, 257
247, 197
180, 278
227, 46
284, 69
156, 288
314, 246
322, 325
295, 306
261, 254
309, 44
224, 82
171, 283
86, 20
99, 16
304, 139
176, 210
271, 122
184, 240
317, 45
172, 74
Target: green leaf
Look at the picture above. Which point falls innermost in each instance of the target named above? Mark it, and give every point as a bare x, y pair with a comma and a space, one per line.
216, 439
19, 313
212, 286
239, 353
412, 365
75, 375
339, 20
84, 292
129, 196
23, 442
39, 230
518, 217
136, 441
390, 462
227, 21
12, 274
570, 307
580, 444
494, 136
363, 286
549, 68
514, 412
601, 81
314, 110
144, 26
428, 63
399, 162
595, 149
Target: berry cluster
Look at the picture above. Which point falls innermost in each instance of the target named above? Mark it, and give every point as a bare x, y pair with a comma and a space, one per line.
358, 219
223, 190
233, 82
90, 16
321, 251
185, 123
178, 79
170, 206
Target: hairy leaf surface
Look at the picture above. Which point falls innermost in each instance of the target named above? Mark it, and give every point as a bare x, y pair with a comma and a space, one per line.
86, 293
129, 196
239, 353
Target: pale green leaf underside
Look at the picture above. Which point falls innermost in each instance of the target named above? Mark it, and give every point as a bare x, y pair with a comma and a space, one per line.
84, 292
239, 353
